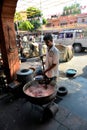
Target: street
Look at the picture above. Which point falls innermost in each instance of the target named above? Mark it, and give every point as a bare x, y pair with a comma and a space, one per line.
78, 62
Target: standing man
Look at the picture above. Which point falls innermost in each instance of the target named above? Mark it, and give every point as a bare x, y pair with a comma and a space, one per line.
19, 44
52, 59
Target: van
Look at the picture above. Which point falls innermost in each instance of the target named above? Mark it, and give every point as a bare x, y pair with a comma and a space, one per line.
74, 37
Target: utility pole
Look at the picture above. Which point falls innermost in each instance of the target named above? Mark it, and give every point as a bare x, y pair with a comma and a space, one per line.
41, 21
41, 37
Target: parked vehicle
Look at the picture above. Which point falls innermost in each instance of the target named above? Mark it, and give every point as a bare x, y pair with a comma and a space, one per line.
74, 37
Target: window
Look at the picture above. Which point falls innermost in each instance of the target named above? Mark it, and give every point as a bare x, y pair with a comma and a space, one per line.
83, 20
61, 35
61, 24
68, 35
79, 35
48, 25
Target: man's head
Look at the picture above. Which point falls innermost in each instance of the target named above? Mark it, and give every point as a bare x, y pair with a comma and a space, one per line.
48, 39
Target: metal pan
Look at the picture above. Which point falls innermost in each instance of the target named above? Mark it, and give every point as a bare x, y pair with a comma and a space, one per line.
39, 100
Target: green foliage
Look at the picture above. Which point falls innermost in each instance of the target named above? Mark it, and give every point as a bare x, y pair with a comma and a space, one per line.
36, 24
33, 22
71, 10
26, 26
44, 21
17, 17
33, 12
34, 15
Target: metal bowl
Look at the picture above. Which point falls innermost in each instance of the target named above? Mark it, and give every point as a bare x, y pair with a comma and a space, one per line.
71, 72
39, 100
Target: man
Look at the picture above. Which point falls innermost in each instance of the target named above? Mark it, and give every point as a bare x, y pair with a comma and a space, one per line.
52, 58
19, 44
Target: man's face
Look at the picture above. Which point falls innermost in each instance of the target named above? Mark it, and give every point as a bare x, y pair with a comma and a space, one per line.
48, 43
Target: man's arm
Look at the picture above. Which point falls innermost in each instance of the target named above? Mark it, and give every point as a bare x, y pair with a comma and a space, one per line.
51, 67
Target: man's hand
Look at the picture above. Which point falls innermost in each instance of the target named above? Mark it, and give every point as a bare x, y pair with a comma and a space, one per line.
41, 57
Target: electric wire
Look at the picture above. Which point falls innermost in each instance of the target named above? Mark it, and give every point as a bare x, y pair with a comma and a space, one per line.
45, 5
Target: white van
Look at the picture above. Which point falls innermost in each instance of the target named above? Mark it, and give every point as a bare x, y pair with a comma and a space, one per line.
74, 37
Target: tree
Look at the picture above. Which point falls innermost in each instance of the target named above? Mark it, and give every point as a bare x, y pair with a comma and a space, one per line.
34, 18
44, 21
34, 15
33, 12
26, 26
17, 17
71, 10
36, 24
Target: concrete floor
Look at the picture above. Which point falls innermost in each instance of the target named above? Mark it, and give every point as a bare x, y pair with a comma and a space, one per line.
76, 99
21, 115
72, 109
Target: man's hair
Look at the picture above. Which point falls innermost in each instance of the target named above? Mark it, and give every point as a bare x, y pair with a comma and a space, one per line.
48, 37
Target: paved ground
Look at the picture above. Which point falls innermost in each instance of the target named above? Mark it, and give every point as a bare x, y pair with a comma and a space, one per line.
21, 115
78, 62
76, 99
